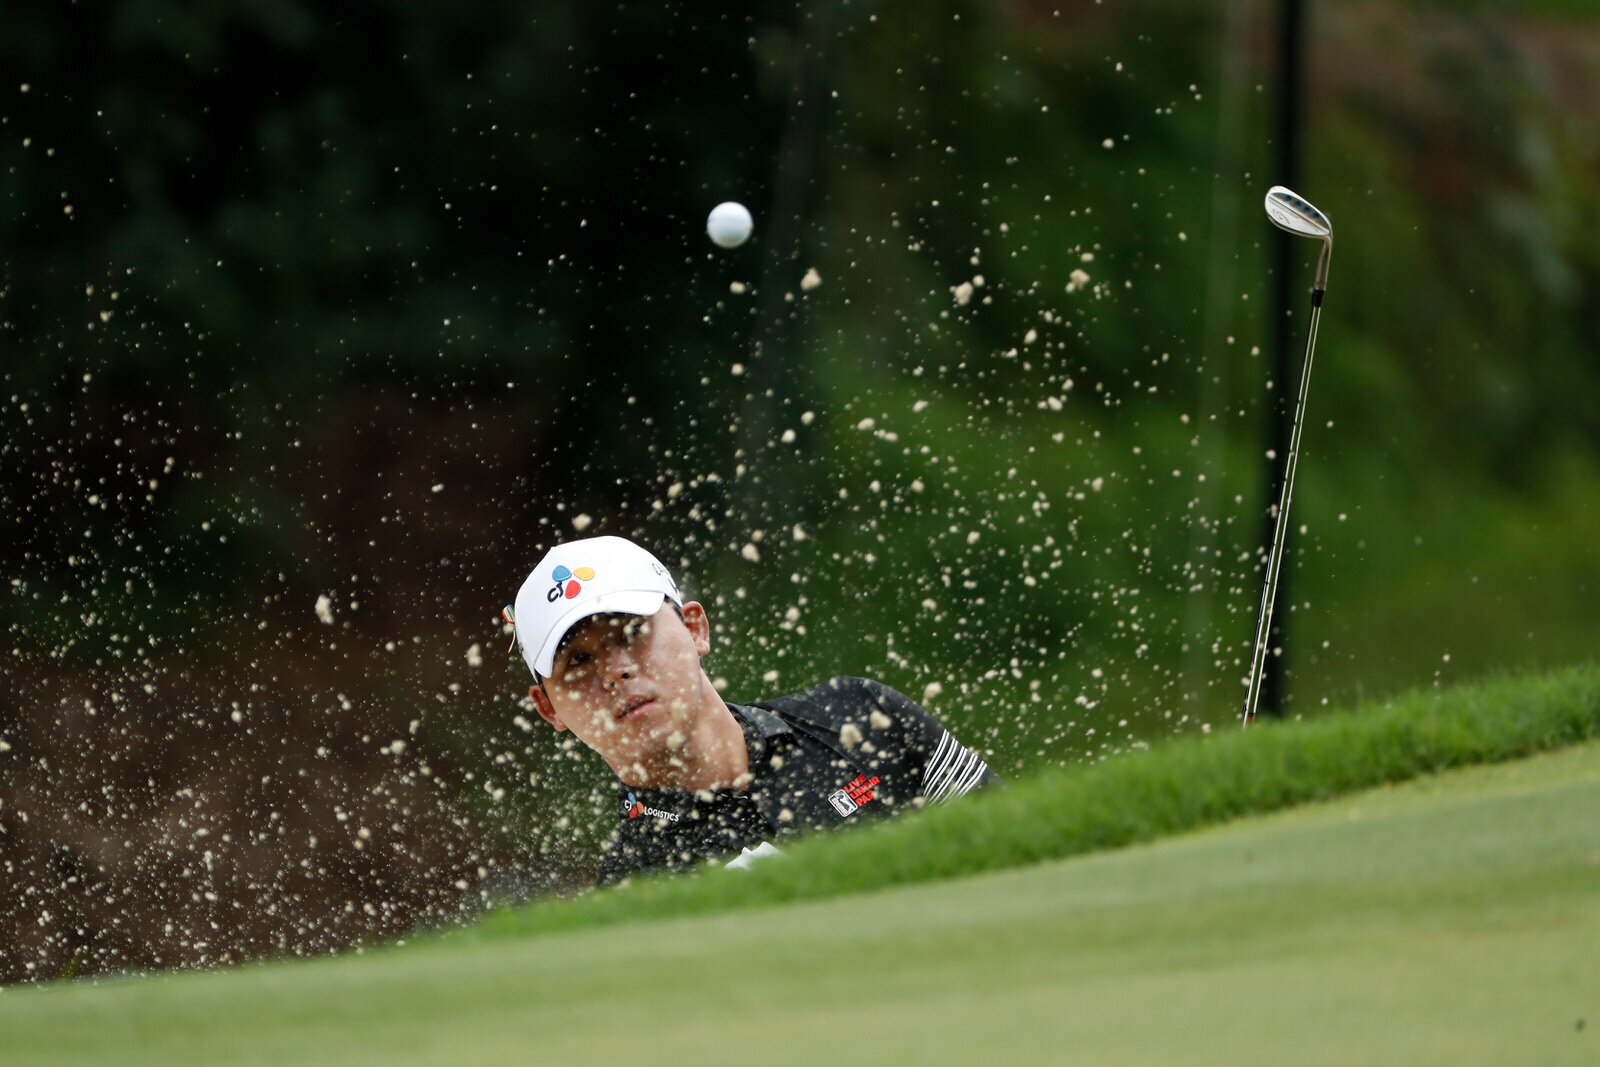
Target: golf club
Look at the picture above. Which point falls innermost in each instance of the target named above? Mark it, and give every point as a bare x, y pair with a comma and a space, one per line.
1288, 211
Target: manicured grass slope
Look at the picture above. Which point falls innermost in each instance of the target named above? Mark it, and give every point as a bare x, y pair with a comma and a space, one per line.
1452, 919
1187, 783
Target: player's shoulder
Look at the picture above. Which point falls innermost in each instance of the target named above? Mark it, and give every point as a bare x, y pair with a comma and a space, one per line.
846, 698
836, 696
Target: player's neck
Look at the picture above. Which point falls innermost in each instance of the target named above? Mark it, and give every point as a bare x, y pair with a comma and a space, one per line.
712, 756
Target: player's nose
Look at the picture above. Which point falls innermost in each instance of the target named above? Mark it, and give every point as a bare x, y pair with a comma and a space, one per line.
620, 667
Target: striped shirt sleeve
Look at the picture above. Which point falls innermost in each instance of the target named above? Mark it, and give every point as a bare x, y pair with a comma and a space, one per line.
952, 771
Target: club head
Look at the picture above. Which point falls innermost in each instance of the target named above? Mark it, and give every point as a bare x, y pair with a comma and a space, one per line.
1290, 211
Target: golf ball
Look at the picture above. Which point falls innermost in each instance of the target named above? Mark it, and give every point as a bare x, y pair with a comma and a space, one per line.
729, 224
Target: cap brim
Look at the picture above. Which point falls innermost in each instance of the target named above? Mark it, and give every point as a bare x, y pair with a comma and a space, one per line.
645, 603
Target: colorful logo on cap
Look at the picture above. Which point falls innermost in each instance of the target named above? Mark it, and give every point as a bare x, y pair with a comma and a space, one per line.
569, 583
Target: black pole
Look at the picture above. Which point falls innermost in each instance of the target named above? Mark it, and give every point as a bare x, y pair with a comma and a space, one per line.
1285, 295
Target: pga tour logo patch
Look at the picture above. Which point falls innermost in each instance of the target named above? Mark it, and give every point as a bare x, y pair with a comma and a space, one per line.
858, 792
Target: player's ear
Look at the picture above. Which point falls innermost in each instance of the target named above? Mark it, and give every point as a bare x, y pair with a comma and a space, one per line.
699, 625
547, 710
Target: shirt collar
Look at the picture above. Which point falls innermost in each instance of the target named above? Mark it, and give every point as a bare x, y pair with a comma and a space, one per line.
761, 727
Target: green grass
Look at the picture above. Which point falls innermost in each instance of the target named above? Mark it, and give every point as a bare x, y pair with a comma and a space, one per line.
1448, 919
1184, 784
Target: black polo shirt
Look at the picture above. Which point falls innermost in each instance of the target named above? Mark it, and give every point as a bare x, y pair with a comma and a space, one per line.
846, 751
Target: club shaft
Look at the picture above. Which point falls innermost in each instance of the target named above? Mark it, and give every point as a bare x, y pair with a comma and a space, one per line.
1280, 528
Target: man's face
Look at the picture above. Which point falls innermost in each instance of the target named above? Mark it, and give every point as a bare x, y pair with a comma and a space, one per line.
628, 686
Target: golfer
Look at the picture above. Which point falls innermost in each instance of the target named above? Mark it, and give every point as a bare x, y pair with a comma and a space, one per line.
615, 652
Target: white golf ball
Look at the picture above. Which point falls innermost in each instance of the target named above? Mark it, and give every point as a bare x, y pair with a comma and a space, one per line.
729, 224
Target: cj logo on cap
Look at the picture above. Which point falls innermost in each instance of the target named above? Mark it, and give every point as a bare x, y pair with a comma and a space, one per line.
569, 583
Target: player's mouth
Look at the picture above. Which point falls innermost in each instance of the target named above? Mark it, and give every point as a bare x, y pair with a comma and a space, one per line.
633, 707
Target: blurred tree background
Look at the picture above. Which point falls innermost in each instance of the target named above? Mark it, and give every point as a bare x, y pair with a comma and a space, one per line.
321, 322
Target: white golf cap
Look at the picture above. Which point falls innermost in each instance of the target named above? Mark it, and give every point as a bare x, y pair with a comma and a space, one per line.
595, 576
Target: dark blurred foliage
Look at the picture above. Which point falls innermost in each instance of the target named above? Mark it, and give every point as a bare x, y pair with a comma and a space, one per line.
320, 322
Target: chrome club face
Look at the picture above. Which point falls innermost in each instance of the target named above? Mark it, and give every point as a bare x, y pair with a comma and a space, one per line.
1290, 211
1294, 213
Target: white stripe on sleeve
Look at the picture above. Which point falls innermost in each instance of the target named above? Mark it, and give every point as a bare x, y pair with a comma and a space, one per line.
952, 772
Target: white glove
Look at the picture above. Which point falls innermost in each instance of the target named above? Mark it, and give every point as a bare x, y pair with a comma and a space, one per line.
744, 859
